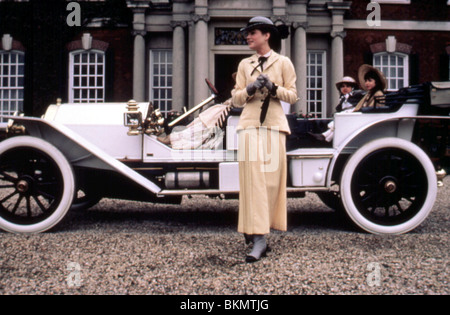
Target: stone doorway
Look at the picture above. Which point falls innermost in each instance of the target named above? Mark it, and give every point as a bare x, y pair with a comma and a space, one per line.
225, 66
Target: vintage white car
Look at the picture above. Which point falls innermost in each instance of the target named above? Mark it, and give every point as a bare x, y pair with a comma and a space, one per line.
381, 169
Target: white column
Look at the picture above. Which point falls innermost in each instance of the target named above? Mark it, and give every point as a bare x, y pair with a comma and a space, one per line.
300, 60
139, 67
338, 9
191, 63
337, 64
139, 31
179, 99
201, 65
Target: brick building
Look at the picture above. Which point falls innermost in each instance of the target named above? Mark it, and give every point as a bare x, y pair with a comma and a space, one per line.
162, 50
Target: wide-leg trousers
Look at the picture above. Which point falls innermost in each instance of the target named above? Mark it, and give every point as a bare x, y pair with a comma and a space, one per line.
263, 180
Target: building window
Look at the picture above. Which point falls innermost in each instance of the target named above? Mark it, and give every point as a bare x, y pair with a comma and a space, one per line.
161, 79
87, 77
316, 83
229, 36
395, 67
12, 75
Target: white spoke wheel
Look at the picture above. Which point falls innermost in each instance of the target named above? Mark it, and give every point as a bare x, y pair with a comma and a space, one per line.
36, 185
389, 186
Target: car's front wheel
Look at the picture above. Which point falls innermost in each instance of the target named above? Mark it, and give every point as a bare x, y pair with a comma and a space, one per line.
36, 185
389, 186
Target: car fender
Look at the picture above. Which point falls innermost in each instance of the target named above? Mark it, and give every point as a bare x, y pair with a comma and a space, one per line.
78, 150
398, 127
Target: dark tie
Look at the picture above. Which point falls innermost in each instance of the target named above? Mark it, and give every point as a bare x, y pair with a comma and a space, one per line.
265, 106
262, 60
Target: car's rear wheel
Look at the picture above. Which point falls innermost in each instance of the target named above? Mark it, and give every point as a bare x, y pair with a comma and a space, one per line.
331, 199
389, 186
84, 200
36, 185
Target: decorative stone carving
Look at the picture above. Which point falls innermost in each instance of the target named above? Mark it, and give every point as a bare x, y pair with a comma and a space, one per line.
339, 34
174, 24
303, 25
7, 41
201, 17
229, 36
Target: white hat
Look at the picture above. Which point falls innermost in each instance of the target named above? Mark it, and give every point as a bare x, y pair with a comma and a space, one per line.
347, 80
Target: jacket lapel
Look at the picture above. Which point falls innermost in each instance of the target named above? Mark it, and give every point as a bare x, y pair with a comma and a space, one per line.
272, 59
254, 62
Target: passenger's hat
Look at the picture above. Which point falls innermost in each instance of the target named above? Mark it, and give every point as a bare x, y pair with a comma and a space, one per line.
364, 69
347, 80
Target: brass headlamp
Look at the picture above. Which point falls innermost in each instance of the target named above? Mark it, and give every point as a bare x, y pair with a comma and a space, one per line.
133, 118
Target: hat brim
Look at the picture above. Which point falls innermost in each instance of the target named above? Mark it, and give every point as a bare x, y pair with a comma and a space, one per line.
353, 84
364, 69
257, 25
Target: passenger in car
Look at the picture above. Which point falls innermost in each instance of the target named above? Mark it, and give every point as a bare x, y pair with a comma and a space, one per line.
374, 82
349, 98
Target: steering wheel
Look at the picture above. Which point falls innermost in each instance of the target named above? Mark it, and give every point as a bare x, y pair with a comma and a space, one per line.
212, 87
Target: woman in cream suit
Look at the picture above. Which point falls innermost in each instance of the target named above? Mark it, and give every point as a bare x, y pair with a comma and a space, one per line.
262, 81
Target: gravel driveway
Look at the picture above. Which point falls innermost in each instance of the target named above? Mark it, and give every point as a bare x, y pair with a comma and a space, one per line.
122, 247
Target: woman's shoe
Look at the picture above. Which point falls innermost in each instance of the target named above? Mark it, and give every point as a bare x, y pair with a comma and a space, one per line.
248, 239
252, 259
317, 136
259, 250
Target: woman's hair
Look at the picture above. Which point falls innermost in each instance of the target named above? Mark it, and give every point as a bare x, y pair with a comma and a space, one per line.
378, 84
274, 40
277, 33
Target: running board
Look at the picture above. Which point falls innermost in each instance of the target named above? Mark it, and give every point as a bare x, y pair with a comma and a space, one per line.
164, 193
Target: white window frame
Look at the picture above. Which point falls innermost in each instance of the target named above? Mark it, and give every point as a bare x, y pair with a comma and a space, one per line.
12, 82
391, 70
91, 86
161, 93
312, 103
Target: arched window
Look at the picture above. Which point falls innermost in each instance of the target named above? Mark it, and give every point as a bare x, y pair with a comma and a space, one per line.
12, 76
395, 67
87, 76
393, 59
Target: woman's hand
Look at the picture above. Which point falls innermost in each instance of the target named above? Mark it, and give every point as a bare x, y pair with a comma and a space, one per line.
252, 87
267, 83
272, 88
